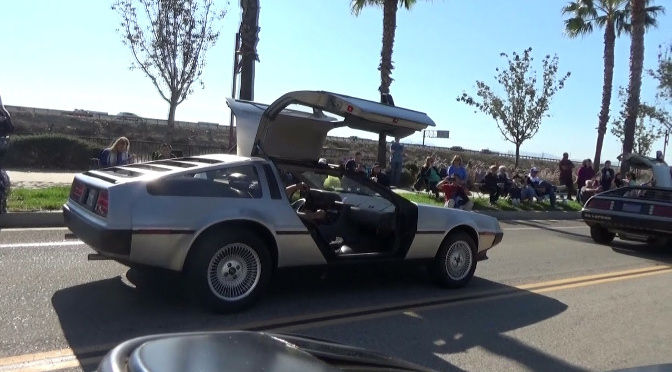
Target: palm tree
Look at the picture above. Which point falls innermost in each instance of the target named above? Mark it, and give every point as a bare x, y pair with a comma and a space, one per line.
249, 37
389, 27
614, 17
640, 15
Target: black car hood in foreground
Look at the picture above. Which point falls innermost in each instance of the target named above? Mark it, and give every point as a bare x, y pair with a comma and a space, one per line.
243, 351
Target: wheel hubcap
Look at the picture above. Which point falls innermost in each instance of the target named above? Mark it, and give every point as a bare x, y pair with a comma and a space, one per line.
234, 272
458, 260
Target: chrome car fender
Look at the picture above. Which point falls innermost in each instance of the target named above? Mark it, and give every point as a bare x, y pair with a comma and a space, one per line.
251, 216
435, 224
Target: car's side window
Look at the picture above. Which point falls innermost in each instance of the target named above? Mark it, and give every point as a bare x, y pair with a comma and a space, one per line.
243, 178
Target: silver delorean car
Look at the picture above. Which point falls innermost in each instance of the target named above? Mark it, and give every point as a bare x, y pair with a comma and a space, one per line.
226, 221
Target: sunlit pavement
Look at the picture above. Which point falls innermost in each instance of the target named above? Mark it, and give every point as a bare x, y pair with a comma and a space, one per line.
549, 299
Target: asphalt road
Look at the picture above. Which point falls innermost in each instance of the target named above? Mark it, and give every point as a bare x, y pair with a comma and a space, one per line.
548, 300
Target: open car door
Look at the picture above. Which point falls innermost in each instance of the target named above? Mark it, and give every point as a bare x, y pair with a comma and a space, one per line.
662, 173
274, 131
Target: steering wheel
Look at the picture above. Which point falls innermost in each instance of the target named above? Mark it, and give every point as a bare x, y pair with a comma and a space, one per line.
300, 204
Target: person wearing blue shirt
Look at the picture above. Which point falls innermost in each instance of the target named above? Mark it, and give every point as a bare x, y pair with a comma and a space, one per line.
396, 161
457, 169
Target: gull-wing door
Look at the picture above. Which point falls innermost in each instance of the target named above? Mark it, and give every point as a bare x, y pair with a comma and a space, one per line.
275, 131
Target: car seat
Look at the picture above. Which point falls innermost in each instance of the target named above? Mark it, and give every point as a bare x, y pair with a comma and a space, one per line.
239, 181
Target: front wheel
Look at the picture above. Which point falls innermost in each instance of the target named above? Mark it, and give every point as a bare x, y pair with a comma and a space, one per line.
229, 270
455, 263
601, 235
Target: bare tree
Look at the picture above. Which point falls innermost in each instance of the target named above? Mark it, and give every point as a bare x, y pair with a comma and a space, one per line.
518, 114
663, 72
651, 124
169, 40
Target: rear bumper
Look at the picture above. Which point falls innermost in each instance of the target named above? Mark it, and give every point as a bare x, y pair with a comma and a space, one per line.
111, 243
653, 226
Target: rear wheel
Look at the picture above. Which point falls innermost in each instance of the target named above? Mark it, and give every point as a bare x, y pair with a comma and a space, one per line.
601, 235
455, 263
229, 270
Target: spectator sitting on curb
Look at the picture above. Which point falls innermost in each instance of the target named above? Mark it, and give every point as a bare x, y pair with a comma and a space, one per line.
591, 188
489, 184
539, 187
516, 190
455, 194
429, 177
378, 176
503, 182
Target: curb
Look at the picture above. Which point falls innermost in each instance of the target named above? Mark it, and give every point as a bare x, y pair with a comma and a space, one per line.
31, 219
533, 215
55, 219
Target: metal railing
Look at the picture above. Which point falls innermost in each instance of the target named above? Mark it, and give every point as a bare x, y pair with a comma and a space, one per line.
143, 150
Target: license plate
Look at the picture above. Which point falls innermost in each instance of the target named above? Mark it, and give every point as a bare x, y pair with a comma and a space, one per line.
631, 208
91, 198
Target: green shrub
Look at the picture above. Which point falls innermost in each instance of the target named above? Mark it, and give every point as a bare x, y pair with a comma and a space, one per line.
51, 151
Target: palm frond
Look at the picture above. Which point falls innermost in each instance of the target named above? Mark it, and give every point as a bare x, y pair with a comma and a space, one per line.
408, 4
575, 27
356, 6
652, 13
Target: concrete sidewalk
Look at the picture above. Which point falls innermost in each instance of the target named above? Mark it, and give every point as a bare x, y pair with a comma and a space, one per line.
38, 180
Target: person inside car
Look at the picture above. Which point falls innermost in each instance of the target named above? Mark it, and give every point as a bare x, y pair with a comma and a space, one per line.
313, 216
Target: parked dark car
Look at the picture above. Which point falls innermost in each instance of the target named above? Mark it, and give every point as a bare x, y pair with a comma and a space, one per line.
637, 212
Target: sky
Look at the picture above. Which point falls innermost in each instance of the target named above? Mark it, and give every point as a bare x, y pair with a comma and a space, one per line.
67, 55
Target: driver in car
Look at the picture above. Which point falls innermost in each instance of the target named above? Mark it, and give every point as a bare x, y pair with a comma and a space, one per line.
317, 215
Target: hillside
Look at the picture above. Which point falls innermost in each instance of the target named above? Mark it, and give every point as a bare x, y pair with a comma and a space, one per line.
103, 129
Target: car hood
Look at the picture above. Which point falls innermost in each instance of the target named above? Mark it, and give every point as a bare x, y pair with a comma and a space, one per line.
275, 131
242, 351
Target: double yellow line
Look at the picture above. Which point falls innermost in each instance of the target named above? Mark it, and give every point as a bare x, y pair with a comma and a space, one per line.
65, 358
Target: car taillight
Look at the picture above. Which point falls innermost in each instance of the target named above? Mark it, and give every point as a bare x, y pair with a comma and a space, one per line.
76, 190
662, 211
600, 204
102, 204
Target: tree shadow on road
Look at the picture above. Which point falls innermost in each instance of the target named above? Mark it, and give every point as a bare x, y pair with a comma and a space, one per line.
98, 315
435, 337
